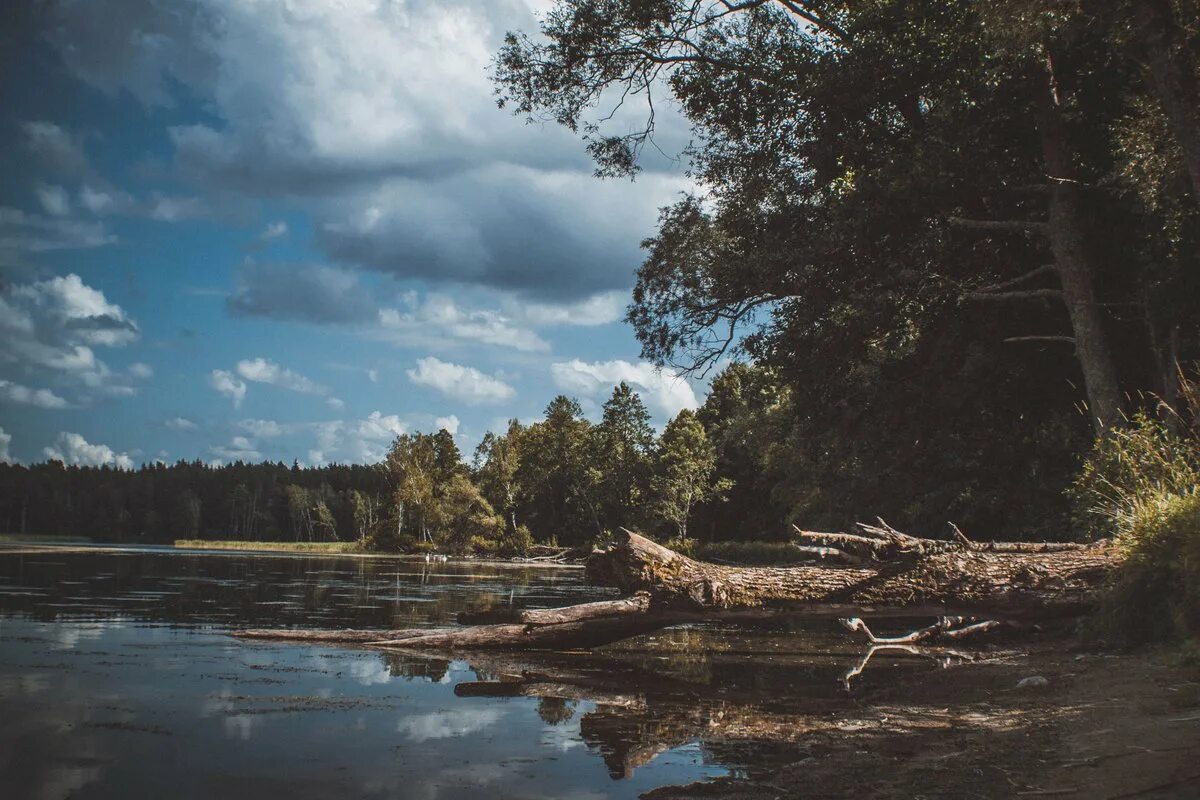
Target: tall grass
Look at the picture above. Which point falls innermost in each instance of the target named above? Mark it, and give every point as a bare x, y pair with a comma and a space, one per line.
1141, 485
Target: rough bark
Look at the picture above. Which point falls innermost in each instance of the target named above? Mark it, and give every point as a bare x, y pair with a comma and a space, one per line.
1068, 242
951, 576
1173, 78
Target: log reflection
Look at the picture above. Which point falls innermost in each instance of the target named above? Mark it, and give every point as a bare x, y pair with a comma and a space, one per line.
643, 709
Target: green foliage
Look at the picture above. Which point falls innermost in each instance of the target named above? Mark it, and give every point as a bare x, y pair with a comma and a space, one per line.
1142, 485
1130, 472
1156, 594
684, 473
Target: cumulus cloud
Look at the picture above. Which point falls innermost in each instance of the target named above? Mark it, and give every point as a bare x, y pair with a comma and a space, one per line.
449, 423
362, 441
438, 317
660, 390
180, 424
5, 443
462, 383
379, 119
40, 398
225, 383
71, 448
51, 327
300, 292
262, 428
239, 449
262, 370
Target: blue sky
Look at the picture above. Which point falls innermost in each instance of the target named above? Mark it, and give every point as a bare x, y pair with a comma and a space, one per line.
294, 228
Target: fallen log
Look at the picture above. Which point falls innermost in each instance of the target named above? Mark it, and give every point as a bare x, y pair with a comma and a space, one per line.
922, 572
890, 573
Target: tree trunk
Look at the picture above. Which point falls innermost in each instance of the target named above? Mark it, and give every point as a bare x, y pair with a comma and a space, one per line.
1008, 579
1068, 241
1173, 78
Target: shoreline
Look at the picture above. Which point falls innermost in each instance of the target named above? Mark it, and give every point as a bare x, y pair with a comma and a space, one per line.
34, 547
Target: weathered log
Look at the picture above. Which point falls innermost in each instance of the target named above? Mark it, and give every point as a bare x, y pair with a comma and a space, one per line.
950, 575
551, 616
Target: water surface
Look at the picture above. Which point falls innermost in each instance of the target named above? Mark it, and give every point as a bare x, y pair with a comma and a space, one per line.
118, 679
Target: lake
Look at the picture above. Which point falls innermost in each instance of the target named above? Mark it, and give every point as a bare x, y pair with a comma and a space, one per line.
118, 679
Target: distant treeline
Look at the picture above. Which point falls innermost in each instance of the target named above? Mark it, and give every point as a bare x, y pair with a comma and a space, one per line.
190, 500
743, 467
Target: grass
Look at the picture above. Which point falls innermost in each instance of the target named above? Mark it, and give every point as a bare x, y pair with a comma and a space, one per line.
1141, 485
287, 547
30, 538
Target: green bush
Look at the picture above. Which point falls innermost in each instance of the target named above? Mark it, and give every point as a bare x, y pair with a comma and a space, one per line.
1141, 485
1130, 468
1155, 594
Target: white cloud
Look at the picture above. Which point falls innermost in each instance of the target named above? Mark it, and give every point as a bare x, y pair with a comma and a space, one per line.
667, 393
140, 370
174, 209
54, 199
335, 403
462, 383
71, 448
5, 443
23, 232
262, 370
50, 327
373, 375
261, 428
449, 423
599, 309
363, 441
438, 317
273, 231
180, 424
41, 398
239, 449
225, 383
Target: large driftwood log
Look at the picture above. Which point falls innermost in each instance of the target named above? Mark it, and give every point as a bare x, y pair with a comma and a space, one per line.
921, 574
884, 572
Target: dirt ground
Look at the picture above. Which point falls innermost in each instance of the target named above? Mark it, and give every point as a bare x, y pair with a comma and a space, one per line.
1102, 726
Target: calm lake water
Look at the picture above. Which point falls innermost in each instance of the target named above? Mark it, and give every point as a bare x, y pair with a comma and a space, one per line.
118, 679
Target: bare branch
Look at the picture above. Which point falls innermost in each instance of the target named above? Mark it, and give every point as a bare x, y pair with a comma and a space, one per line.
1024, 294
1033, 273
1017, 225
1065, 339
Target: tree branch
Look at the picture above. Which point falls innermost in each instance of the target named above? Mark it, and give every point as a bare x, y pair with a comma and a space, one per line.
1066, 339
1018, 225
1024, 294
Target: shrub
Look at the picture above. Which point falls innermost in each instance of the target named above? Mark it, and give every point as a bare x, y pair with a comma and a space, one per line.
1130, 468
1155, 594
1141, 485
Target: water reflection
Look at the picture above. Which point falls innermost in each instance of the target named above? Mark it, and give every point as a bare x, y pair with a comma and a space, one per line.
117, 680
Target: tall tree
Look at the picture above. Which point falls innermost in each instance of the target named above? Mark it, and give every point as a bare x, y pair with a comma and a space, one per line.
620, 459
684, 472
